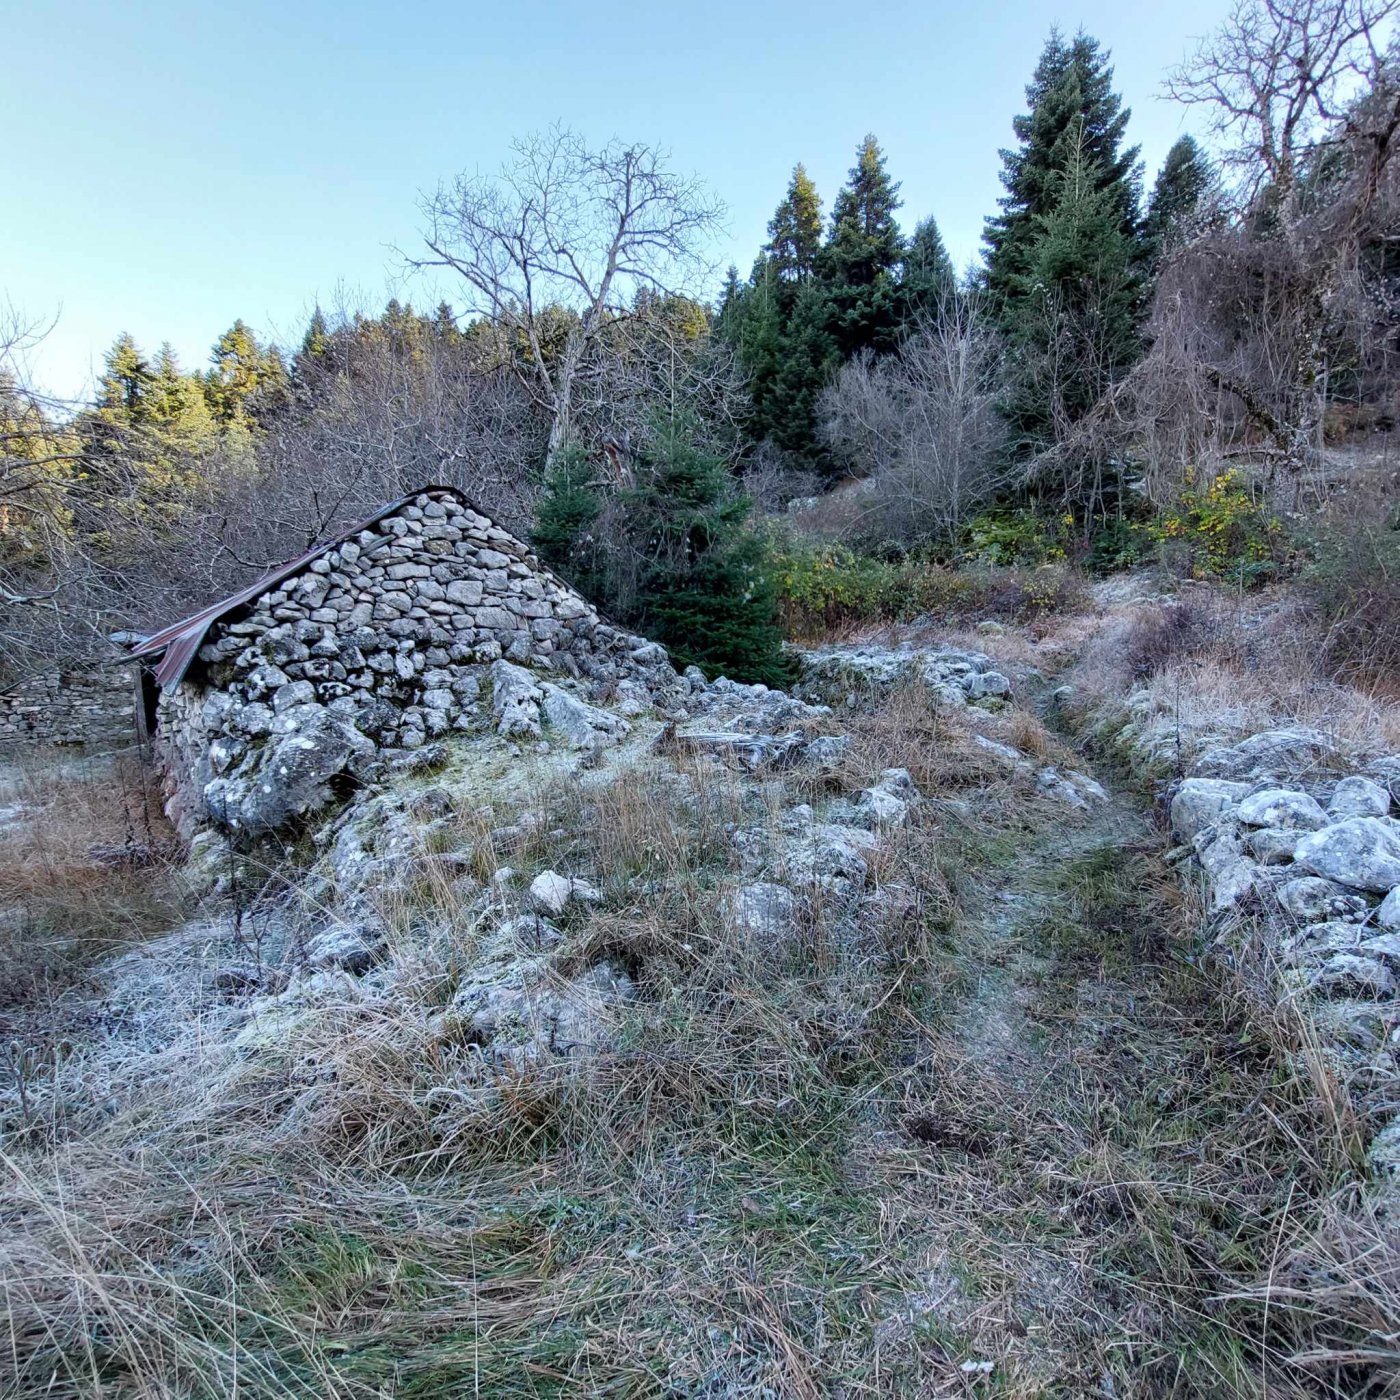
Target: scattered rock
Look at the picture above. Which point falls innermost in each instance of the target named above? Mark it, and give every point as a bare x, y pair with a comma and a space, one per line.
1358, 797
764, 913
1198, 802
551, 893
1279, 753
1388, 915
1310, 899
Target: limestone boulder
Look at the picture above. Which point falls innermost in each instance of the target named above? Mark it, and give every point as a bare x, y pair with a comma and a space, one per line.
1200, 801
1279, 753
1311, 899
1358, 797
579, 725
1362, 853
1282, 808
290, 775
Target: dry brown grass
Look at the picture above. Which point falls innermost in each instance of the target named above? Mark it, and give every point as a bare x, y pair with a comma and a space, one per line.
808, 1173
86, 867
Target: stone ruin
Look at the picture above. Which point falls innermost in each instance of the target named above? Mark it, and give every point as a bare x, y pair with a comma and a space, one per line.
375, 646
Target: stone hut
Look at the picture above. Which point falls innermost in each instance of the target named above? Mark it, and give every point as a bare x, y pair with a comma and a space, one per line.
370, 646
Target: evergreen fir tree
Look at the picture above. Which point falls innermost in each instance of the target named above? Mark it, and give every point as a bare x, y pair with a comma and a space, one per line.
1071, 103
126, 380
1078, 301
808, 357
1184, 180
795, 230
858, 266
317, 340
703, 591
672, 556
568, 508
245, 380
927, 278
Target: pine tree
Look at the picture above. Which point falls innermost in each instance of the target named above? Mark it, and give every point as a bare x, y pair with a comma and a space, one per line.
927, 278
858, 267
795, 230
1183, 182
1078, 302
672, 556
1071, 104
246, 381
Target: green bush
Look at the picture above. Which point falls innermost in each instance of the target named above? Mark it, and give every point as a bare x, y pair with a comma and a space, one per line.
824, 587
1222, 532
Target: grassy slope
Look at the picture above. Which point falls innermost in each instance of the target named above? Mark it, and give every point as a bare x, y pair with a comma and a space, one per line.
1012, 1141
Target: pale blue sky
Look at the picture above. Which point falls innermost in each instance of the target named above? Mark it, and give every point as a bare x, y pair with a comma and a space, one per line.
172, 166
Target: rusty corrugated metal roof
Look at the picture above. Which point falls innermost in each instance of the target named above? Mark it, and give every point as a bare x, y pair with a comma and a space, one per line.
178, 644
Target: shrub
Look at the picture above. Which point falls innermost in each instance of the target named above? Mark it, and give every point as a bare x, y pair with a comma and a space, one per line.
1222, 532
1172, 634
822, 588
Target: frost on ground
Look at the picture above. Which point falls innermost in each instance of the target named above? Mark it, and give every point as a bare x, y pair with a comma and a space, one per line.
710, 1042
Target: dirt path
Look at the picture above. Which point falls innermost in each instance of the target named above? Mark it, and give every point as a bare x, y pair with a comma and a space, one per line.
1105, 1146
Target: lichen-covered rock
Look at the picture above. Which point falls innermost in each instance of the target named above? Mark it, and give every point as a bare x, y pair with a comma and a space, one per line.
1388, 914
289, 776
1358, 797
1312, 899
1362, 853
515, 700
1200, 801
1278, 753
552, 893
764, 913
1282, 808
1270, 846
581, 726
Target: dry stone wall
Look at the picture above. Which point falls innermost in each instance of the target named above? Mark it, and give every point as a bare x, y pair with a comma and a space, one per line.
380, 645
1298, 854
94, 708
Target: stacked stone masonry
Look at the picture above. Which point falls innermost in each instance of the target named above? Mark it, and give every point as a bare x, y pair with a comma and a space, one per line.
94, 708
392, 631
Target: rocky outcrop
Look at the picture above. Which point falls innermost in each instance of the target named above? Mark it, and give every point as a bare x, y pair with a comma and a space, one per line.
853, 676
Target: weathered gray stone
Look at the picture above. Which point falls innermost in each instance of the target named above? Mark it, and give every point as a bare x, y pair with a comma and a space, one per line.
515, 700
1311, 899
552, 893
1282, 808
1276, 753
1388, 915
1358, 797
289, 776
765, 914
1200, 801
579, 725
1361, 852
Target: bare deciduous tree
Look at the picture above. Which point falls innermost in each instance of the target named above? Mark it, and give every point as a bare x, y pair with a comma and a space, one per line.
1279, 77
564, 227
922, 425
